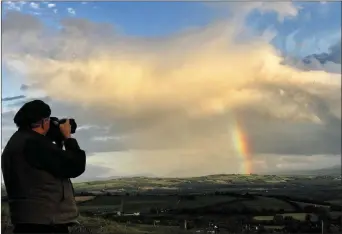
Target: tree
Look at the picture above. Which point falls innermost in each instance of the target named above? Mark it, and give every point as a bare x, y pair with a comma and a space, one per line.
278, 219
309, 209
307, 217
153, 210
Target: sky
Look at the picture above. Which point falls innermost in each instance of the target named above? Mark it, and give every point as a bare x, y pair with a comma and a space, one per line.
181, 88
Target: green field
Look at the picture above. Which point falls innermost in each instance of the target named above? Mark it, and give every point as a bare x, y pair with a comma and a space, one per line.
296, 216
145, 203
268, 203
258, 203
106, 226
264, 218
144, 183
212, 193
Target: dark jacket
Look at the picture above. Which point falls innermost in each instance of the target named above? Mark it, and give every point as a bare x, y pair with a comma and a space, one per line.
37, 178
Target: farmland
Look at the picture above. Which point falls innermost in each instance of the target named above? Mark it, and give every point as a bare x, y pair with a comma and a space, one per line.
162, 205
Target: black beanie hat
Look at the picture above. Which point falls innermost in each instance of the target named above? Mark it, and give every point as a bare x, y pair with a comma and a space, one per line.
31, 112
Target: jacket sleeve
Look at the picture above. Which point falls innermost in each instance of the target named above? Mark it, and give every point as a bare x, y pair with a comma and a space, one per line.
44, 155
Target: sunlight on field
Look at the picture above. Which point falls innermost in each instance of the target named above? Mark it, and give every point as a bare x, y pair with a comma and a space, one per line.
263, 218
297, 216
84, 198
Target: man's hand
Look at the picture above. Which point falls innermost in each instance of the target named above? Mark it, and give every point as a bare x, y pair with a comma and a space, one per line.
65, 129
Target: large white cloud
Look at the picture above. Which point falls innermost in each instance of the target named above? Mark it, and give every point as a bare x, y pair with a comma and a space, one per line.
174, 101
240, 10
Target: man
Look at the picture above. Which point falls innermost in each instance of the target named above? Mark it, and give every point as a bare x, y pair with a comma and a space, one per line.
37, 173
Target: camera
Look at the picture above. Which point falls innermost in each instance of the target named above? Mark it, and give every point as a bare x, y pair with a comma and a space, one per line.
54, 133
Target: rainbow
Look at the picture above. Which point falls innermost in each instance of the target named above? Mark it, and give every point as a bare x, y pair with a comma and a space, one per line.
241, 146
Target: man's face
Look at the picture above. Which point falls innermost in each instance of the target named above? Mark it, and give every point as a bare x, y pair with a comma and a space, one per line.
46, 124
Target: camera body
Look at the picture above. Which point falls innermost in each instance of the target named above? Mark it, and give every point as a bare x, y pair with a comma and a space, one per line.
54, 133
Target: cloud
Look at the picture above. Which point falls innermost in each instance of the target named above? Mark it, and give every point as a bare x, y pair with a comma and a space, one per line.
293, 163
94, 172
51, 5
71, 11
5, 99
329, 61
34, 5
106, 138
284, 10
181, 164
14, 6
18, 22
170, 104
334, 54
24, 87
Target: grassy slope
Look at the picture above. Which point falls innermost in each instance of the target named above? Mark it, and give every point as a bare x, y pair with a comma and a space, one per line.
146, 182
96, 225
